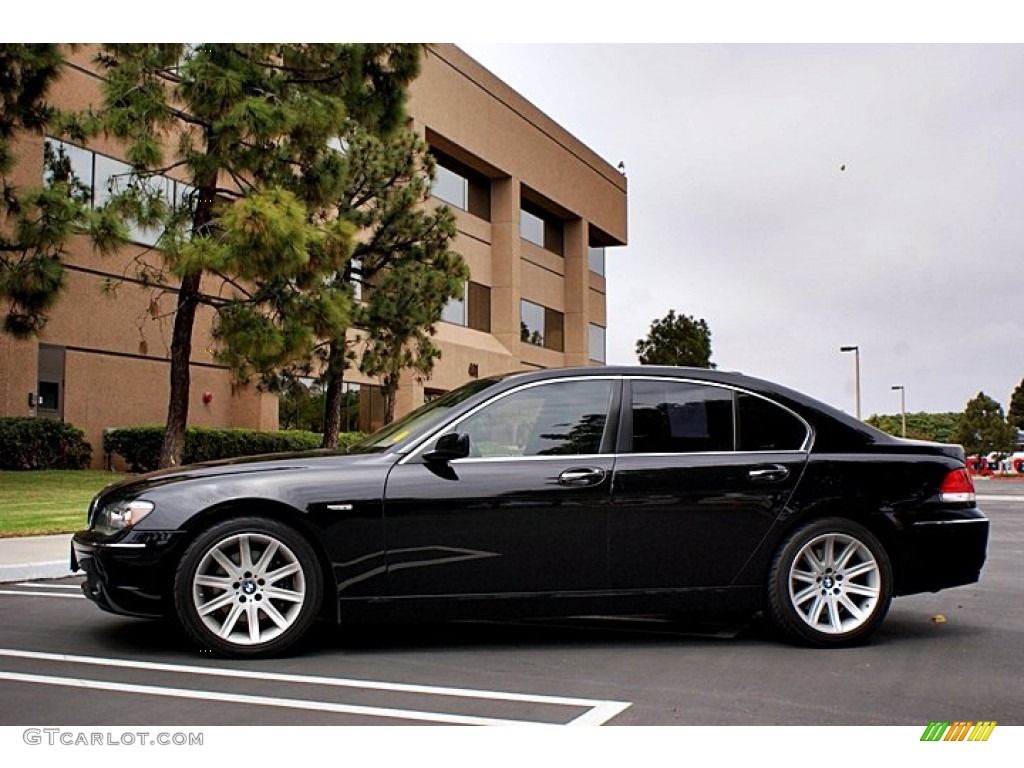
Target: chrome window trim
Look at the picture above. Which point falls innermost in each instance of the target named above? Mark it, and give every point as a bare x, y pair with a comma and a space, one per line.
548, 457
804, 449
593, 456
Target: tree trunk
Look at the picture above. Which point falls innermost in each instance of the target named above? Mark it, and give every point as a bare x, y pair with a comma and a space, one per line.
181, 375
336, 366
389, 386
184, 321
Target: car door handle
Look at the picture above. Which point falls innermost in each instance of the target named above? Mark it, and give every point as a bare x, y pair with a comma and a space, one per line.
580, 477
770, 474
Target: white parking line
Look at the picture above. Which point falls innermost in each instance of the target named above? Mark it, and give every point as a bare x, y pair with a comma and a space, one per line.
598, 712
999, 498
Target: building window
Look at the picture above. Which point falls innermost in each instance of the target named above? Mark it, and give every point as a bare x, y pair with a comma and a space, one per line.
597, 343
455, 311
540, 229
430, 395
473, 310
595, 258
63, 162
99, 177
450, 187
355, 279
479, 309
460, 186
531, 228
541, 326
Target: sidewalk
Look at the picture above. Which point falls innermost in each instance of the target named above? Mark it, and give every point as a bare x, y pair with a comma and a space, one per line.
35, 557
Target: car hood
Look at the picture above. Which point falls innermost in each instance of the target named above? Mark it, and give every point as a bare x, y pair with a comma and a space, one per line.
223, 468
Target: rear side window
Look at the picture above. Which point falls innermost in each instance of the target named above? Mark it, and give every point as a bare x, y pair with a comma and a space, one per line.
678, 417
765, 426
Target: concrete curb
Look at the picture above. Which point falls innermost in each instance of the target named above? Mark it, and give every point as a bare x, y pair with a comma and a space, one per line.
53, 569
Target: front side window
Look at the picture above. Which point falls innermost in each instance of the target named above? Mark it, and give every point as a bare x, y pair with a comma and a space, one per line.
680, 417
558, 419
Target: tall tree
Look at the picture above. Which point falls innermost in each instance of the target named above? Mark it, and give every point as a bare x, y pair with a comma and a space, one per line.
676, 340
258, 238
1015, 414
403, 307
983, 429
36, 223
402, 260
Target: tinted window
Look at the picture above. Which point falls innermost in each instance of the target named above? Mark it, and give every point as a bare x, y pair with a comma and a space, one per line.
765, 426
676, 417
563, 418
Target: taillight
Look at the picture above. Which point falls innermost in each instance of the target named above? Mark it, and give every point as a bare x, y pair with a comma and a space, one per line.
958, 487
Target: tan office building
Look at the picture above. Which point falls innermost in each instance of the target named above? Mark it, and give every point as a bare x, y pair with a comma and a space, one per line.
536, 210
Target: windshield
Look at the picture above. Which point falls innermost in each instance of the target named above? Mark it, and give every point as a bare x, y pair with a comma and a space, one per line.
420, 420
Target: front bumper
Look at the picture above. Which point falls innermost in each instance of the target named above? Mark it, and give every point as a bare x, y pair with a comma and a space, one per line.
128, 575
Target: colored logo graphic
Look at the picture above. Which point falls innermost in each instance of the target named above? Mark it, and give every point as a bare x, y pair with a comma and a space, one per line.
960, 730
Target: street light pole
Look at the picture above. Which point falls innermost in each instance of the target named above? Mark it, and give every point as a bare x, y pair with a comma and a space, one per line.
903, 405
856, 372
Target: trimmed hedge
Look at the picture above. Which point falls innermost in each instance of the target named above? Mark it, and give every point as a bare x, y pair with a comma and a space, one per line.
140, 446
35, 443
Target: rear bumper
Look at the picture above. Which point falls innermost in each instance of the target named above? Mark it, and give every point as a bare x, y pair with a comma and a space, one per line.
127, 577
942, 553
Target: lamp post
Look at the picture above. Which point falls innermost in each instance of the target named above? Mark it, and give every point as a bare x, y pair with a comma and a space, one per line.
903, 405
856, 372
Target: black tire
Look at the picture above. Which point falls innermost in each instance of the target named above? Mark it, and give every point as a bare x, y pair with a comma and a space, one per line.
830, 584
248, 587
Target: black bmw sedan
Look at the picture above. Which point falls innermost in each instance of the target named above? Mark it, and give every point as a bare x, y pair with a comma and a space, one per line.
589, 491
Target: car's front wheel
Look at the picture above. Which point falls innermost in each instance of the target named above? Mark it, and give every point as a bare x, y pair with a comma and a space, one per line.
830, 584
248, 587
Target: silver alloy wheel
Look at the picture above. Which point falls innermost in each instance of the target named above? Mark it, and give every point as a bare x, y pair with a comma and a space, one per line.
835, 583
249, 588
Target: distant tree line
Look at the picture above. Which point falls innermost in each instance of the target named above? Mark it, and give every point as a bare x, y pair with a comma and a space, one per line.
981, 429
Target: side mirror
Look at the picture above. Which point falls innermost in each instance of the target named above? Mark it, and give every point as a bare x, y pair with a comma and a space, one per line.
448, 447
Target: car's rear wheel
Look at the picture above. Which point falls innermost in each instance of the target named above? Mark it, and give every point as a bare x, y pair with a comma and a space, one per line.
830, 584
248, 587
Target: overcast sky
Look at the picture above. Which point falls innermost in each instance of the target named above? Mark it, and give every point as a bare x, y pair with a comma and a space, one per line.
740, 211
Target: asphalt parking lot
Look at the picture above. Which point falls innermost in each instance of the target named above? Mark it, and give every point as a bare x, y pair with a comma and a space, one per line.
954, 655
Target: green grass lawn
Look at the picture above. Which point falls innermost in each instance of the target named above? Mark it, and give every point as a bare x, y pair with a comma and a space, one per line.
48, 501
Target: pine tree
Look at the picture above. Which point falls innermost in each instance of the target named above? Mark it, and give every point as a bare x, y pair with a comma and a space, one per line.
983, 429
676, 340
402, 260
256, 129
37, 223
404, 305
1015, 415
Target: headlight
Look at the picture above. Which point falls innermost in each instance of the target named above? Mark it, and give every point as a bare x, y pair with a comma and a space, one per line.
121, 515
